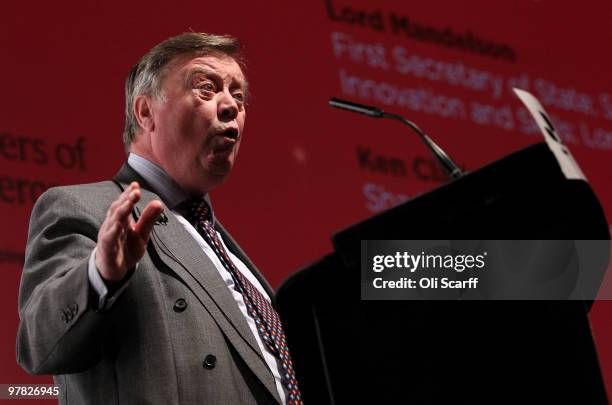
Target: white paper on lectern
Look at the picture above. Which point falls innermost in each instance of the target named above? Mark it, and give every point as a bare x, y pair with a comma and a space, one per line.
569, 167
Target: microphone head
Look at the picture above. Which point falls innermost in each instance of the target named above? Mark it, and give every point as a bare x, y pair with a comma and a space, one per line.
354, 107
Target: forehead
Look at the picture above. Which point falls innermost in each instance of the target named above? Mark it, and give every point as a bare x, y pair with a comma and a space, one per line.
222, 65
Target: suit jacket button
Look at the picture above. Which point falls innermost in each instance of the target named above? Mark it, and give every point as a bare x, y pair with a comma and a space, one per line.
210, 362
180, 305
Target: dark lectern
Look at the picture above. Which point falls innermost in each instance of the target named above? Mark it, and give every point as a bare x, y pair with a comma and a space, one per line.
349, 351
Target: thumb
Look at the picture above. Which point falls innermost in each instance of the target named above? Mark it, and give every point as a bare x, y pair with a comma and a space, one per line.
146, 221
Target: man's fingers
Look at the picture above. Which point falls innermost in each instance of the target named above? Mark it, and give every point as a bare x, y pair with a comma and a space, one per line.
122, 198
110, 256
146, 221
117, 216
123, 211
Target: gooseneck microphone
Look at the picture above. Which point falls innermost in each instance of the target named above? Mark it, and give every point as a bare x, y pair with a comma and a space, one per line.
446, 162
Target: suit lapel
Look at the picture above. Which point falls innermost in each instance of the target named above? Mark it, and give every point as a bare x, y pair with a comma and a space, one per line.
177, 250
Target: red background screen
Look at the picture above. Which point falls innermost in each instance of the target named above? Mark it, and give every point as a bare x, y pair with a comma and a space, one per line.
305, 170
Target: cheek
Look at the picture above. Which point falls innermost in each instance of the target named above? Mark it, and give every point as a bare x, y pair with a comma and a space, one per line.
192, 114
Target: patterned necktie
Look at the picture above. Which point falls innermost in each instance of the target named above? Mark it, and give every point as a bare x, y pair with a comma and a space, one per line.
266, 319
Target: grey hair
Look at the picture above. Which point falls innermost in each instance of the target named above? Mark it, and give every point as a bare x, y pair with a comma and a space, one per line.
146, 76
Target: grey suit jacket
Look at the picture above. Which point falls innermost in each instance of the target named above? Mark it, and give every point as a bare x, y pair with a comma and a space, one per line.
149, 348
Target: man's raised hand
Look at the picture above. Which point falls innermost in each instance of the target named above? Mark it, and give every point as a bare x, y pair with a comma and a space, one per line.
121, 241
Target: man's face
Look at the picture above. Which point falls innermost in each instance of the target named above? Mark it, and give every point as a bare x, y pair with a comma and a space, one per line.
198, 121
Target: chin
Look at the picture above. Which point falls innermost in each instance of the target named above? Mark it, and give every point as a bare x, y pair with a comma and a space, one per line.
218, 174
220, 166
218, 178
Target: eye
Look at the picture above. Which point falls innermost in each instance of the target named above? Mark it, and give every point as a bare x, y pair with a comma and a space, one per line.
204, 84
208, 86
239, 97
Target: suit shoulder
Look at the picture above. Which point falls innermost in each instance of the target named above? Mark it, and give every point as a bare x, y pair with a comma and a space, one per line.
84, 192
91, 197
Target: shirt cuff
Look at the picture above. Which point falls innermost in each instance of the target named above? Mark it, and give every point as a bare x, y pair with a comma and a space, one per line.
100, 287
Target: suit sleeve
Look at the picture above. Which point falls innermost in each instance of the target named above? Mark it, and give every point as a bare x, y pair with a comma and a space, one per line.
59, 332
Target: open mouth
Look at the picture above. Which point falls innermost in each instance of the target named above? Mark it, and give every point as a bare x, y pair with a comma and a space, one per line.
225, 140
231, 133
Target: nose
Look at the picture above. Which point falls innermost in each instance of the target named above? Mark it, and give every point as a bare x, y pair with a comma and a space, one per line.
228, 107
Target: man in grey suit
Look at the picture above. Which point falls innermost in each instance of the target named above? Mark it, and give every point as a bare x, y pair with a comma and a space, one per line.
125, 298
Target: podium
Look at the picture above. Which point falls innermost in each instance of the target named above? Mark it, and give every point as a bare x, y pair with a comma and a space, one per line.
347, 350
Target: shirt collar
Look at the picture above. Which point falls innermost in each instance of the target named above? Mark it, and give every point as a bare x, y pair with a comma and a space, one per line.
170, 192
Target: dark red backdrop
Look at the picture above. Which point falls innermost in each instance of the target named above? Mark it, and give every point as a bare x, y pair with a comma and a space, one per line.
305, 170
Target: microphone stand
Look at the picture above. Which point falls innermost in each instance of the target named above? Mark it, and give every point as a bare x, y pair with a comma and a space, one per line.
451, 169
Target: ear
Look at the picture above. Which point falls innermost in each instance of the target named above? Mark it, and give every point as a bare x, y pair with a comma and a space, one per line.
144, 113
